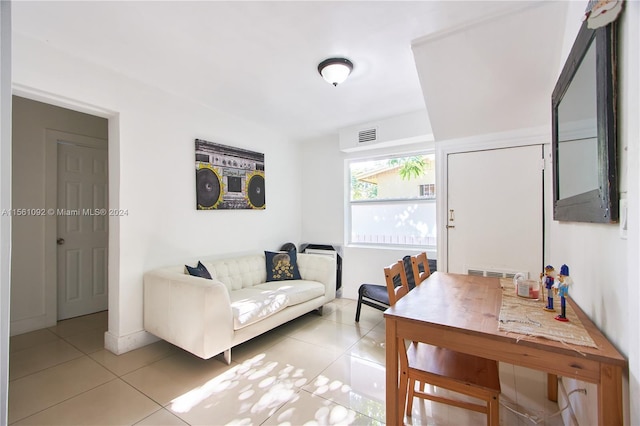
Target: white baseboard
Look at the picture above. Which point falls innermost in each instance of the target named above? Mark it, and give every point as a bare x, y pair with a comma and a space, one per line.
31, 324
122, 344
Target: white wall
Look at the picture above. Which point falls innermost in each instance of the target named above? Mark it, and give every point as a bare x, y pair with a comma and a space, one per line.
630, 135
152, 175
33, 292
5, 202
604, 266
323, 218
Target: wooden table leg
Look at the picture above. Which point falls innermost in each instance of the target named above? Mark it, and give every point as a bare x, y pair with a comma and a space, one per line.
610, 395
552, 387
392, 373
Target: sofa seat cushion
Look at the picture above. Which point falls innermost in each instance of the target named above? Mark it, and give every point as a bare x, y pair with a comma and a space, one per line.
250, 305
298, 291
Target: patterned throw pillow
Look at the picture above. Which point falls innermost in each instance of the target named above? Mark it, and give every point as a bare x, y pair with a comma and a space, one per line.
198, 271
282, 266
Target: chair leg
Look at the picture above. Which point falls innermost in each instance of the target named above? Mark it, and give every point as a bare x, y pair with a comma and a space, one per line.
359, 308
402, 395
493, 416
410, 393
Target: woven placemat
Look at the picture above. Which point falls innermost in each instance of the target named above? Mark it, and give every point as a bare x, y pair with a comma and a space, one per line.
527, 317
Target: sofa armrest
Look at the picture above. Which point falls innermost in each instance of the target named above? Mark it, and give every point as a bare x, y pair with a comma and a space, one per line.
316, 267
190, 312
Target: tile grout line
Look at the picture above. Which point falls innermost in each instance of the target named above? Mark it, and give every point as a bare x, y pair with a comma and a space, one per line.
80, 355
64, 400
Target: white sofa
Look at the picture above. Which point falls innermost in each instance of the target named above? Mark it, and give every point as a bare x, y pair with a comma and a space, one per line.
209, 317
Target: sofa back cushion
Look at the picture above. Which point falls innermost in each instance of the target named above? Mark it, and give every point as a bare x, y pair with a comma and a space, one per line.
239, 272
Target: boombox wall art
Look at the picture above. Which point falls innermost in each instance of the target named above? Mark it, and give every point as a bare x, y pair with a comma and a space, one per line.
228, 177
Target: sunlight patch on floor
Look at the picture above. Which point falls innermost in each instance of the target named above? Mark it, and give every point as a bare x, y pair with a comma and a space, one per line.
266, 378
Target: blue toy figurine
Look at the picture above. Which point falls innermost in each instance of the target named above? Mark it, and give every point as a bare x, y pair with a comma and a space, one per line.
562, 288
548, 277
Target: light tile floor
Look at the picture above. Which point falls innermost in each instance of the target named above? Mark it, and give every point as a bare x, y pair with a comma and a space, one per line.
314, 370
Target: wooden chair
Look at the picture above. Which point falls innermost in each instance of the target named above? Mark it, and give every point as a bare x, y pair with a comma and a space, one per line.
426, 364
420, 266
392, 274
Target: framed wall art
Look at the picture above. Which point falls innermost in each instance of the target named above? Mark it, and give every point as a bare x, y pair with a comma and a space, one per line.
228, 177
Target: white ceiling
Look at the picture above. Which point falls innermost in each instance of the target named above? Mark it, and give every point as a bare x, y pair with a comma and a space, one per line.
258, 60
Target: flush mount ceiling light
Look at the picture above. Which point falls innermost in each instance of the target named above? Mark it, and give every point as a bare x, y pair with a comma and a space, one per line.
335, 70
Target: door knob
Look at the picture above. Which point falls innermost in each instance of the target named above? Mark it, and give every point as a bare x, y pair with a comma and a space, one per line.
60, 241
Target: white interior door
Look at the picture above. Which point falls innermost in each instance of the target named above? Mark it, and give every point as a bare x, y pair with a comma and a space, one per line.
82, 229
495, 210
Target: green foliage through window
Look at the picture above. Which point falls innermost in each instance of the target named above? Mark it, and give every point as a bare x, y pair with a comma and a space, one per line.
410, 167
363, 190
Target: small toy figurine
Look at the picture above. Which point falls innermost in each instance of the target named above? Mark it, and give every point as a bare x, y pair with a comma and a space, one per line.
548, 277
562, 288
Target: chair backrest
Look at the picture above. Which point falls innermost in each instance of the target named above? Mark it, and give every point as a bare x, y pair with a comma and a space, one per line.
420, 266
392, 273
408, 271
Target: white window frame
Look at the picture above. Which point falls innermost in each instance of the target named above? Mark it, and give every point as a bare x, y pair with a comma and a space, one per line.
348, 203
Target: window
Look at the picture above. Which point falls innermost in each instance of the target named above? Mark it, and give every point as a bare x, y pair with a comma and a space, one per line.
428, 190
392, 201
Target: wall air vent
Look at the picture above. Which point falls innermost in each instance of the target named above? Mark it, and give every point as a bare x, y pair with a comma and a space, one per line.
368, 135
496, 274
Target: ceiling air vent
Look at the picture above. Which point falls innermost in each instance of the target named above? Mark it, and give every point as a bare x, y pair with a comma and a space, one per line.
368, 135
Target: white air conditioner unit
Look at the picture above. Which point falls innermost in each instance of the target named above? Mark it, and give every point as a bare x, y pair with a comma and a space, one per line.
332, 254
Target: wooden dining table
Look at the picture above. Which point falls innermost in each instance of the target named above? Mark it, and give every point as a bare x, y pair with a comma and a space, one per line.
461, 313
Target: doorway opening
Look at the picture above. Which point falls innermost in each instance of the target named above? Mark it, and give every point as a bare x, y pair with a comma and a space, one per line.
60, 221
